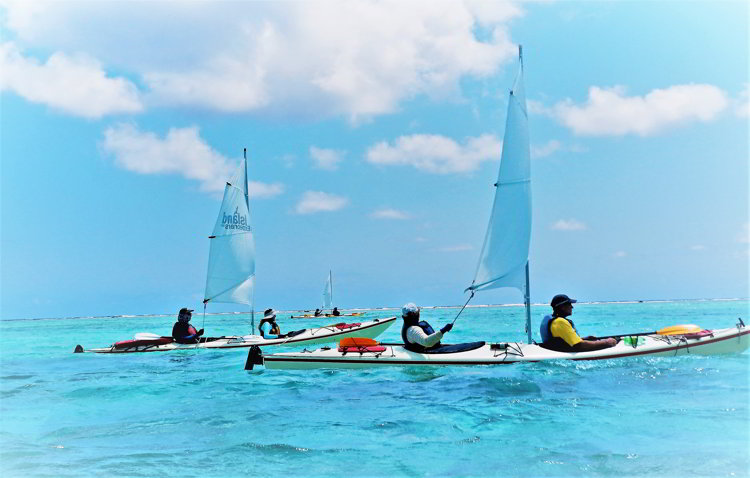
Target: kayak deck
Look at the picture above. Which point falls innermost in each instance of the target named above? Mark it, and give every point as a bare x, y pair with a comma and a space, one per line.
315, 336
723, 341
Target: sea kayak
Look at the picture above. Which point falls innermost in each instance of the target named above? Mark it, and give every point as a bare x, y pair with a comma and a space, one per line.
320, 335
346, 355
312, 316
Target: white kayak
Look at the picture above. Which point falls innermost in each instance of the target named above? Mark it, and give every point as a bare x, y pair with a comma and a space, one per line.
320, 335
720, 341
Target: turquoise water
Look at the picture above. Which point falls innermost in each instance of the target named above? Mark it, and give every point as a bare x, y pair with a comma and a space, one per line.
199, 413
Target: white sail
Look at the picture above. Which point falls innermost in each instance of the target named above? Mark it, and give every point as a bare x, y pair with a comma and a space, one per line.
505, 252
231, 262
328, 292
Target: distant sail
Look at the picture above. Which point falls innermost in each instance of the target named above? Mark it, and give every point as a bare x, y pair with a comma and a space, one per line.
328, 292
505, 252
231, 262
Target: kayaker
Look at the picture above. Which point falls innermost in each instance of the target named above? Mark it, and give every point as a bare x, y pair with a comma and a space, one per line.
335, 312
182, 331
268, 327
318, 313
417, 335
560, 334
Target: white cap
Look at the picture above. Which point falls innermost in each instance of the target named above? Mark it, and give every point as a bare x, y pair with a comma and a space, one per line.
270, 313
410, 308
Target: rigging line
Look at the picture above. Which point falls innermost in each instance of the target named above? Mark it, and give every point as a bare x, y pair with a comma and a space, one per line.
462, 308
204, 316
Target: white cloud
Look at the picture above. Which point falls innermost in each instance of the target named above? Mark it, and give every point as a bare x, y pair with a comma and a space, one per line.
744, 236
317, 201
356, 58
743, 103
698, 247
457, 248
182, 151
77, 85
619, 254
435, 153
326, 158
609, 112
545, 149
390, 214
568, 225
258, 190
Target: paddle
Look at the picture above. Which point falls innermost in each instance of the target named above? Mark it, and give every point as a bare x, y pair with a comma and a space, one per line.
147, 336
671, 330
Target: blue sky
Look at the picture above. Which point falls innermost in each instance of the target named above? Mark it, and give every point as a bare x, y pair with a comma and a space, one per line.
374, 132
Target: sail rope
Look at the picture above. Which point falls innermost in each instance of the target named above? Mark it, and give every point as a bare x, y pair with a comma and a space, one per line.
462, 308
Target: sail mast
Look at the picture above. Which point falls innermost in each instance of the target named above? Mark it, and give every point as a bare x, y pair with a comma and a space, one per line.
504, 260
231, 260
247, 203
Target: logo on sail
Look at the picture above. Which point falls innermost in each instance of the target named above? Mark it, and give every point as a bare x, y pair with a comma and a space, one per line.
235, 221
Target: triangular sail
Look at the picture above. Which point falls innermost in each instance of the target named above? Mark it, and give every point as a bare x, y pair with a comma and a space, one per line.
505, 252
328, 292
231, 261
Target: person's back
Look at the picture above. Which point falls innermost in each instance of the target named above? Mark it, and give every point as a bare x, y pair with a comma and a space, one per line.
335, 312
182, 331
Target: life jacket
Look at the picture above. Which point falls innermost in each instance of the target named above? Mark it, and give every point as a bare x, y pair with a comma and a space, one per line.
416, 347
275, 330
551, 342
180, 330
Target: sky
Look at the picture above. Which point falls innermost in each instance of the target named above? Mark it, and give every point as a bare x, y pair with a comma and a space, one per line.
374, 131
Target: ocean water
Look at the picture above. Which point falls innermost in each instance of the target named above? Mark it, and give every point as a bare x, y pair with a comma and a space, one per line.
198, 413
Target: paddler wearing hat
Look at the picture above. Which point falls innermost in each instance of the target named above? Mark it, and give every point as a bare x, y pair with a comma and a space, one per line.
182, 331
418, 335
560, 334
268, 327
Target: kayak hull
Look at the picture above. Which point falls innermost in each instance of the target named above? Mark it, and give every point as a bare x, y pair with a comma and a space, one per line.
315, 336
724, 341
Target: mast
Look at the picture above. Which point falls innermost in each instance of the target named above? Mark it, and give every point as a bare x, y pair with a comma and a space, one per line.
504, 260
247, 202
527, 304
330, 279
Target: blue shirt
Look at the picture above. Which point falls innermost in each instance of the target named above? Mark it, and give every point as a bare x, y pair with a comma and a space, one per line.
265, 331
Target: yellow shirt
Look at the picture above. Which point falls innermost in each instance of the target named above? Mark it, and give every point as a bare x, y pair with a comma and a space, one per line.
561, 328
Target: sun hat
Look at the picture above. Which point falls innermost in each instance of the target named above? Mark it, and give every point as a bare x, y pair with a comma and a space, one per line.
269, 314
410, 308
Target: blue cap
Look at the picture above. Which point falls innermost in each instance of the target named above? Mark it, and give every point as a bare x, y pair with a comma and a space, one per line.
561, 299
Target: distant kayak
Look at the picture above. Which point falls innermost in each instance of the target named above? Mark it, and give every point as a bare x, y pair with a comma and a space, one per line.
314, 336
312, 316
366, 353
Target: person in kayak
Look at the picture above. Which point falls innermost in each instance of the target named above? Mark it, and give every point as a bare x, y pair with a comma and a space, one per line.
318, 313
182, 331
419, 336
560, 334
268, 327
335, 312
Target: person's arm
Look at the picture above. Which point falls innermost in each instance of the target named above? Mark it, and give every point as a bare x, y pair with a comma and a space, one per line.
417, 336
589, 345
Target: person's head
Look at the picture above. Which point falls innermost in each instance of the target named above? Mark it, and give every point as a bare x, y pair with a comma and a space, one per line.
269, 315
335, 308
562, 305
185, 314
410, 313
317, 310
